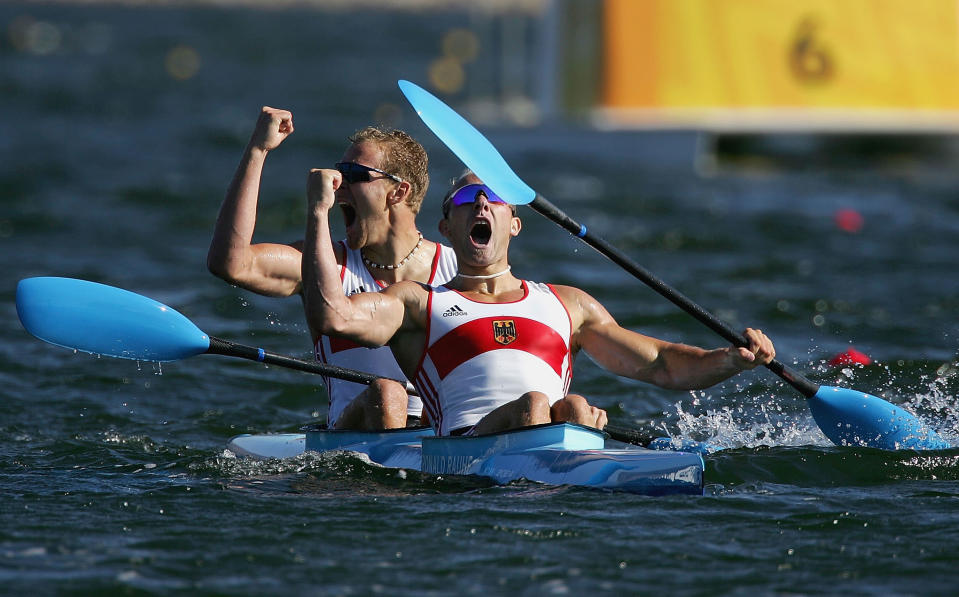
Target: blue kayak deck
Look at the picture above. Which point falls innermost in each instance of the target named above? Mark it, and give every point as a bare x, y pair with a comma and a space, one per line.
555, 454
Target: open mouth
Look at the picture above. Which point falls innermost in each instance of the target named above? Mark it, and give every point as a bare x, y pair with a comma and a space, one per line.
349, 214
481, 232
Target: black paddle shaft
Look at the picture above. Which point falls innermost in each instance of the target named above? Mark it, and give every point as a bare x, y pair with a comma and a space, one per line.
232, 349
547, 209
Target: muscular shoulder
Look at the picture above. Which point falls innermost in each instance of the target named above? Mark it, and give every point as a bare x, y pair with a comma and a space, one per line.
413, 298
582, 307
339, 249
414, 295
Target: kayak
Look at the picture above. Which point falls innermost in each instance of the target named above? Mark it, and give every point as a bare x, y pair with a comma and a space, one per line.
554, 454
110, 321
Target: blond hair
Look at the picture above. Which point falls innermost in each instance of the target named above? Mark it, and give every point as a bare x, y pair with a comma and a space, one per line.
403, 156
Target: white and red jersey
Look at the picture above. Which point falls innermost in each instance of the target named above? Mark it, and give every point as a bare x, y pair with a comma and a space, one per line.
480, 356
378, 361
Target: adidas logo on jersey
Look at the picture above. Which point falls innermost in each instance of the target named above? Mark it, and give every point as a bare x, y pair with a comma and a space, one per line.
454, 311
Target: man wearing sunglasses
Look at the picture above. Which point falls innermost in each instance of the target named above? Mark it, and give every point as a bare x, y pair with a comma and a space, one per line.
384, 179
488, 351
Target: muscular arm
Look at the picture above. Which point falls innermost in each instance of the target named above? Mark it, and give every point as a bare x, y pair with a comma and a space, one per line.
665, 364
369, 318
265, 268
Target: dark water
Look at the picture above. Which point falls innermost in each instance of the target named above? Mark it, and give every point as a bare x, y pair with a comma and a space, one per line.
113, 474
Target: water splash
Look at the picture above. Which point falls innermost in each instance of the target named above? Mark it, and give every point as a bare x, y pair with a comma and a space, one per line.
735, 416
227, 463
760, 421
937, 402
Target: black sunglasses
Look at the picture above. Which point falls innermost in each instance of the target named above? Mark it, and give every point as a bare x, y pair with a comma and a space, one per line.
353, 172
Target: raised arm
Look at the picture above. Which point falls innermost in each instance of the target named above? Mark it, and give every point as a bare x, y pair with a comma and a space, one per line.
665, 364
265, 268
369, 318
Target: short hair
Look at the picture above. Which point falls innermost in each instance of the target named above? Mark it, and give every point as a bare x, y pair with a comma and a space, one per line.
403, 156
455, 185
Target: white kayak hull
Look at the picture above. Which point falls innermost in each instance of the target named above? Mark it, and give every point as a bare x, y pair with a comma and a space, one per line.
555, 454
274, 445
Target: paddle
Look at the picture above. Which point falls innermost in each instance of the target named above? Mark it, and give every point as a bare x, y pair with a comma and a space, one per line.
106, 320
846, 417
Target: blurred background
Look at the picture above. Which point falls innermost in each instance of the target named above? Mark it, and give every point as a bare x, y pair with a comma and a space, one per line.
788, 164
783, 163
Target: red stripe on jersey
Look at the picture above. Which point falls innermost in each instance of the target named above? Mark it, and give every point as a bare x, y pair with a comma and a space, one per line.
428, 396
435, 266
477, 337
343, 267
341, 344
426, 335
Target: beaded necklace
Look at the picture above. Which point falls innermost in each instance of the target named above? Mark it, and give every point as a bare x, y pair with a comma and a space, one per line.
419, 243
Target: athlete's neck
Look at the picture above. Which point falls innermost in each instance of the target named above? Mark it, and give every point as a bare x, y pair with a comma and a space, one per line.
394, 253
493, 284
486, 276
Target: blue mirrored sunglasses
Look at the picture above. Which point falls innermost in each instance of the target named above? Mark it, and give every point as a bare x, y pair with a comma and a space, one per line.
353, 172
469, 194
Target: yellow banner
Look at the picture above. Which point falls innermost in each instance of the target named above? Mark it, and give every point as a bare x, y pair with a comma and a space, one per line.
692, 57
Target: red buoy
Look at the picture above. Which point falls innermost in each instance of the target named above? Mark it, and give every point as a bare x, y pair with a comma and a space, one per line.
849, 220
850, 356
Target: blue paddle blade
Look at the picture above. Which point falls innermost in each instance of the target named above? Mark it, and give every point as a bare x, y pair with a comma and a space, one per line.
469, 145
851, 418
105, 320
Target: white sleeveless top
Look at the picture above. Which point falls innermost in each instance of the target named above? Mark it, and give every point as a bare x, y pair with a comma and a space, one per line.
378, 361
481, 355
